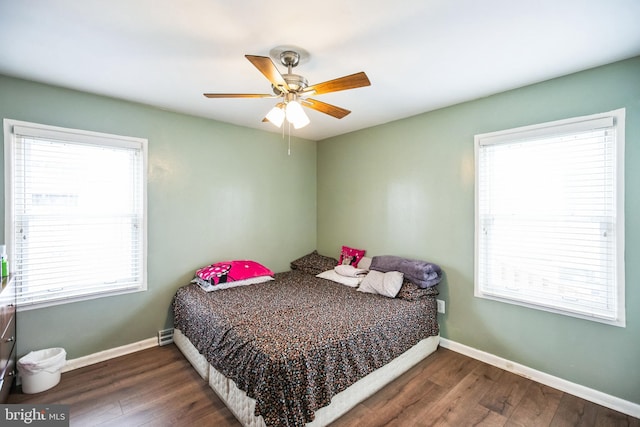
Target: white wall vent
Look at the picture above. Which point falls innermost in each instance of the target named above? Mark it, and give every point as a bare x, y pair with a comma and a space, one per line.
165, 336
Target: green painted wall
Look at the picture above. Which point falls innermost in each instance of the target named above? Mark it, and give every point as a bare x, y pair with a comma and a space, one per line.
404, 188
407, 188
216, 191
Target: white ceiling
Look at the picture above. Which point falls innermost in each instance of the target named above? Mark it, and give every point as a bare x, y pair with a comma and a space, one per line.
420, 55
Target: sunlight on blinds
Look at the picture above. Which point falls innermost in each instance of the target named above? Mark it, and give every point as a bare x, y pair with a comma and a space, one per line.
78, 218
547, 221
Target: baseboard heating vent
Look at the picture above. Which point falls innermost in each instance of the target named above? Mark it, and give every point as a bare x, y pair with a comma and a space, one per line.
165, 336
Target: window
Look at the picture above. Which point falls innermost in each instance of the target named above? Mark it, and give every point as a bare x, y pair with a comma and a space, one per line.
75, 213
550, 217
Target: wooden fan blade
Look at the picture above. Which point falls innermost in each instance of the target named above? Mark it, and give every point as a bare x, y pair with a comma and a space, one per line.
342, 83
268, 68
238, 95
323, 107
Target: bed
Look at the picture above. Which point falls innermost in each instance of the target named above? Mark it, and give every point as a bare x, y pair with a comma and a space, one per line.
301, 350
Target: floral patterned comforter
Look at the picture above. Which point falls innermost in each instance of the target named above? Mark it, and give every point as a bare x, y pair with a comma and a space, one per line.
295, 342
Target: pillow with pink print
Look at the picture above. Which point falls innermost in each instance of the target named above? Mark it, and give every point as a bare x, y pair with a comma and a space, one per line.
231, 271
350, 256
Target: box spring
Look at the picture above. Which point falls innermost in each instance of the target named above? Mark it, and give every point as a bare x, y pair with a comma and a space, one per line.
243, 406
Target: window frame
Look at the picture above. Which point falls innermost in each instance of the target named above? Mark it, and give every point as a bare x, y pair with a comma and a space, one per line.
552, 129
76, 136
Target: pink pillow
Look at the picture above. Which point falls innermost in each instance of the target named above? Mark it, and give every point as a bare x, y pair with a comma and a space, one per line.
350, 256
231, 271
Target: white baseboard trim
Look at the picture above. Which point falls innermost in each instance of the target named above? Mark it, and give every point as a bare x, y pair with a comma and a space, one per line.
578, 390
101, 356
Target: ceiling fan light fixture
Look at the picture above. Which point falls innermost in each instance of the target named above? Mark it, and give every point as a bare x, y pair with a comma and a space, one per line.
276, 116
294, 90
296, 115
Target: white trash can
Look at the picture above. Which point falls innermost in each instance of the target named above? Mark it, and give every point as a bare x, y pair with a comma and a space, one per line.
40, 370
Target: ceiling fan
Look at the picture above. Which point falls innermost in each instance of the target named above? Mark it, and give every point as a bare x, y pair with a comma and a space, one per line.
294, 90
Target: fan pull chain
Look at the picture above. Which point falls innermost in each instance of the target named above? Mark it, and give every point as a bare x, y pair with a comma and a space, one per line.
289, 149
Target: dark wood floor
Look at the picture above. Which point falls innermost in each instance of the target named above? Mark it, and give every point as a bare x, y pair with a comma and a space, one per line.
158, 387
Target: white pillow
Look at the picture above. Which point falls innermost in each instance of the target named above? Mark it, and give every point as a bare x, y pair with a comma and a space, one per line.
343, 280
365, 263
350, 271
208, 287
387, 284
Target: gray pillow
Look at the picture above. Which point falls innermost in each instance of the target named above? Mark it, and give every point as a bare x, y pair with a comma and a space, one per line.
387, 284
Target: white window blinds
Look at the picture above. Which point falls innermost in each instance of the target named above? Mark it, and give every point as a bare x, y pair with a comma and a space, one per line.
550, 217
77, 224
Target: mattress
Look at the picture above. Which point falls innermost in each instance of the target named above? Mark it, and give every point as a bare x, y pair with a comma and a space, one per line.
295, 343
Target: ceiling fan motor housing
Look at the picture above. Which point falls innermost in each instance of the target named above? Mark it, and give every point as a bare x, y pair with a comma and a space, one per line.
296, 83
